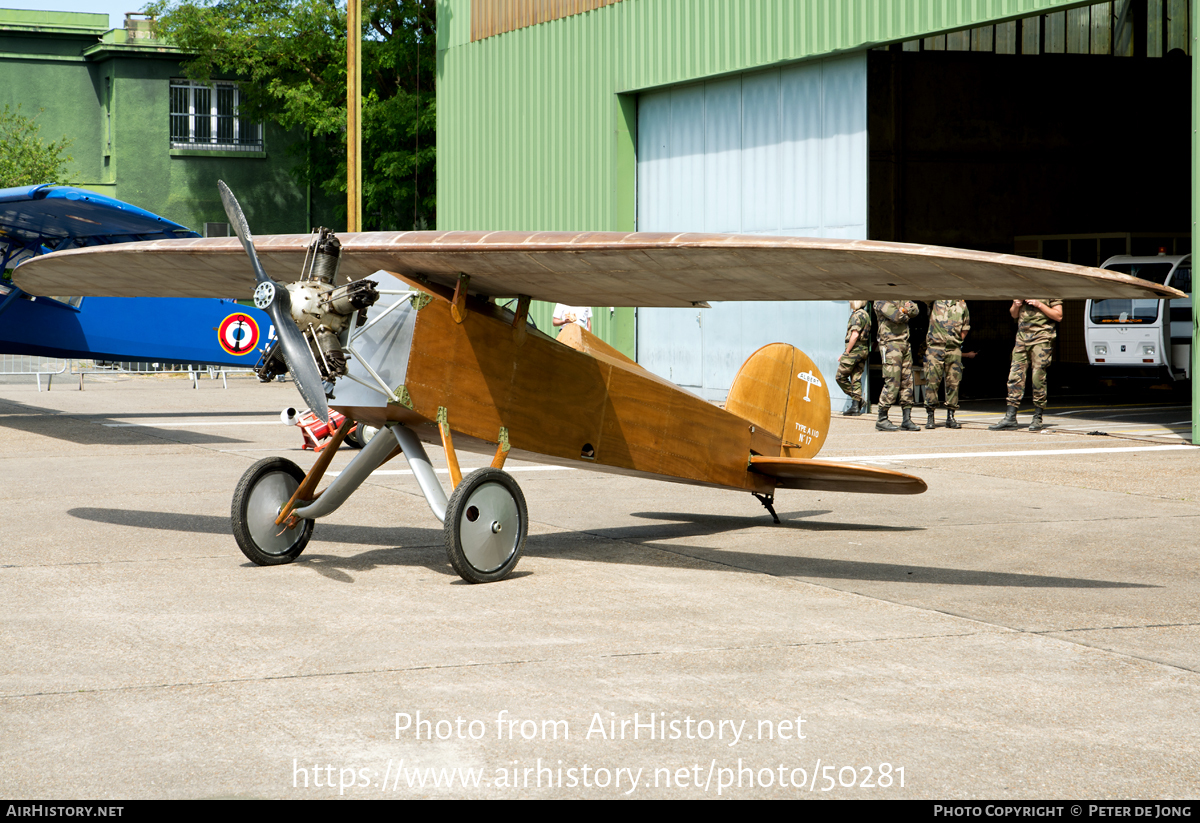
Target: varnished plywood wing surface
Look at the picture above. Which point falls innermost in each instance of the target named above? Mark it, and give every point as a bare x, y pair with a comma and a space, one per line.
589, 268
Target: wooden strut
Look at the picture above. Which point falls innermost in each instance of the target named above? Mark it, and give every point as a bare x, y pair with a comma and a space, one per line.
443, 419
309, 484
502, 448
458, 308
521, 319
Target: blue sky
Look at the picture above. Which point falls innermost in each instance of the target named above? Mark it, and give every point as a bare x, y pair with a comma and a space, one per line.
115, 9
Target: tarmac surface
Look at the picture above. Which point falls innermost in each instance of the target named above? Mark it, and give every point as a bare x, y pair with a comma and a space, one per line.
1027, 628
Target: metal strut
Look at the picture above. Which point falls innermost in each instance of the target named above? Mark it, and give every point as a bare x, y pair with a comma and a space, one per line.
372, 456
768, 501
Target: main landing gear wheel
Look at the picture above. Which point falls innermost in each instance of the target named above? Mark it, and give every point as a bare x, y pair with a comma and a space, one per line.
260, 495
485, 527
360, 435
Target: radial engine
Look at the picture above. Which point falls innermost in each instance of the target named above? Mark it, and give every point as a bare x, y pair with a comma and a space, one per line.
323, 312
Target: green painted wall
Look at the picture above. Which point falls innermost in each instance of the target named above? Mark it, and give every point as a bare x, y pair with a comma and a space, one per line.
531, 128
537, 127
43, 67
73, 72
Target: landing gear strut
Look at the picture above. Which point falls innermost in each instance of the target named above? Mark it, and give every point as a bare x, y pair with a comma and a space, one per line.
485, 521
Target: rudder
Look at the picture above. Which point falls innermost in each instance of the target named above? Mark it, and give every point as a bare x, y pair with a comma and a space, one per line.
780, 390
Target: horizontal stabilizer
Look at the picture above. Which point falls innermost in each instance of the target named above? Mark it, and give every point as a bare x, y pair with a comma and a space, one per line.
821, 475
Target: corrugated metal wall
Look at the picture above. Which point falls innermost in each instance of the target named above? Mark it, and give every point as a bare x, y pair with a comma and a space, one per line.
782, 152
537, 127
531, 130
779, 152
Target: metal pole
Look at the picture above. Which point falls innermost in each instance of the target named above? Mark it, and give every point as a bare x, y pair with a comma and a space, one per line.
353, 116
1195, 50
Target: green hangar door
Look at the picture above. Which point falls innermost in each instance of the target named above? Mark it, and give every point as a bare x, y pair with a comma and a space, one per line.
777, 152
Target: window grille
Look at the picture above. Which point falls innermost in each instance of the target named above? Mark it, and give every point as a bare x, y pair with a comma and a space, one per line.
209, 117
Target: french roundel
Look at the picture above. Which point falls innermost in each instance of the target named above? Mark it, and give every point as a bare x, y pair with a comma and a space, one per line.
238, 334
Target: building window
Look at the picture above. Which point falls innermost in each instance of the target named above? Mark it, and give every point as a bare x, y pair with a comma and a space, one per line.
208, 117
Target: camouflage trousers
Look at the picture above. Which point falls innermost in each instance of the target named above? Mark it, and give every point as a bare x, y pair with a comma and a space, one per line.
897, 375
849, 375
1023, 354
942, 364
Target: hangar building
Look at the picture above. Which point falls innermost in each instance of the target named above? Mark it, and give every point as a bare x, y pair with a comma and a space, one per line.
1031, 126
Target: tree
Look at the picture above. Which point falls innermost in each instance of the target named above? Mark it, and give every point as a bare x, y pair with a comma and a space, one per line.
24, 159
290, 58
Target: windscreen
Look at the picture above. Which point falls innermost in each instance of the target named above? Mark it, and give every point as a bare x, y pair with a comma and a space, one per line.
1126, 310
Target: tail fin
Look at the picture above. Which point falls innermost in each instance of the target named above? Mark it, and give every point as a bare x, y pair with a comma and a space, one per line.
779, 390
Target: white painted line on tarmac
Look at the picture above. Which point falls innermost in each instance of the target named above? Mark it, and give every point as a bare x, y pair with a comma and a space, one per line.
1088, 409
466, 471
1122, 428
1015, 453
174, 424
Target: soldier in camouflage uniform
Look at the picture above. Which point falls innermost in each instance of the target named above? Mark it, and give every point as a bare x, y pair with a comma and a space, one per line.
1035, 340
893, 319
854, 360
949, 322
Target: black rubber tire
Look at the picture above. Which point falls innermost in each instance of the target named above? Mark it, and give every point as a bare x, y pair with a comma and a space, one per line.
360, 435
260, 494
471, 545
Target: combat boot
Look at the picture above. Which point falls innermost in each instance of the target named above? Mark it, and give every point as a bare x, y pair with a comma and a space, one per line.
906, 424
848, 409
883, 424
1009, 421
854, 409
1036, 423
951, 423
929, 421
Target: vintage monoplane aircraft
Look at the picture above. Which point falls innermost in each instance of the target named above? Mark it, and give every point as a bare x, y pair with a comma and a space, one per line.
422, 351
36, 220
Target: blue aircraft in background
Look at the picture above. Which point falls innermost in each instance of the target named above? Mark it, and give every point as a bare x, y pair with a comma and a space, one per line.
39, 219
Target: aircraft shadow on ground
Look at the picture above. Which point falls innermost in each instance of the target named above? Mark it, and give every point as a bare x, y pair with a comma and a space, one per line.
90, 430
699, 525
407, 546
218, 524
717, 523
404, 546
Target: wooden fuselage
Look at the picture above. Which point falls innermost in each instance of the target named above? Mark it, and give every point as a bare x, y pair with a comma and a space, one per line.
591, 408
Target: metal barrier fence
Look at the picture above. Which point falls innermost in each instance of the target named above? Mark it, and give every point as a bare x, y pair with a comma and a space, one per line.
82, 367
38, 366
49, 367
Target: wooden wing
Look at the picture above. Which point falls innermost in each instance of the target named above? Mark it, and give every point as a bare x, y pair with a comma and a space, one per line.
589, 268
